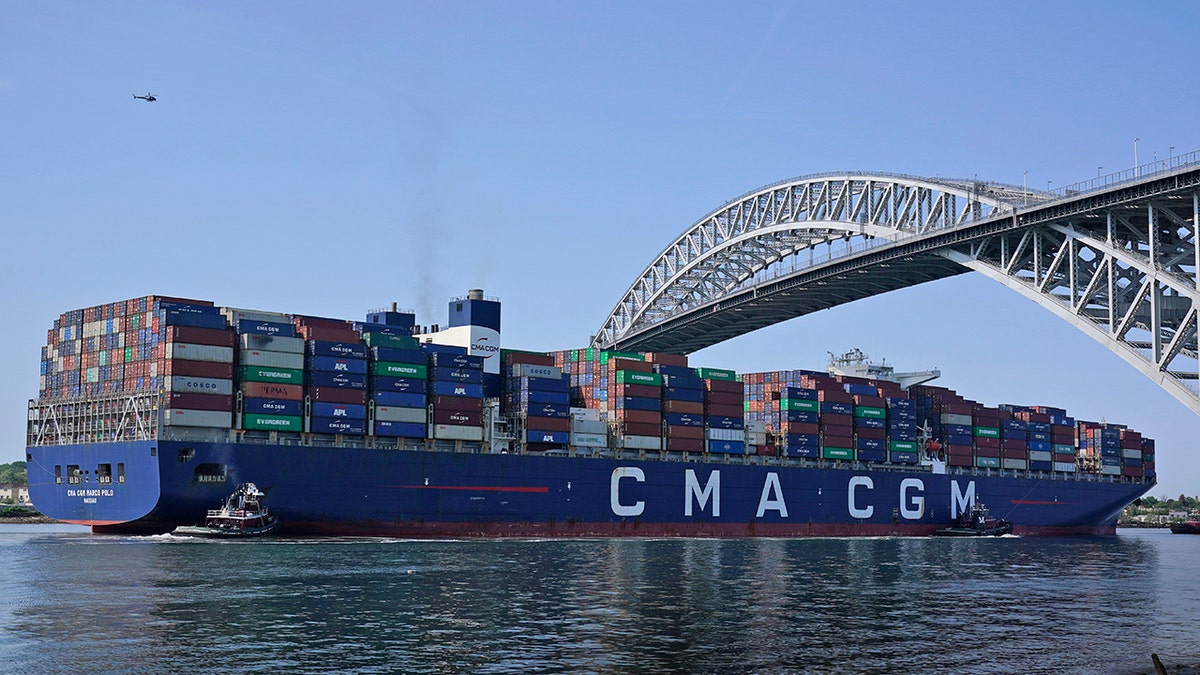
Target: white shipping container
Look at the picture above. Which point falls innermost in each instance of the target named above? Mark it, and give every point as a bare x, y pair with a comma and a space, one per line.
589, 426
180, 417
1109, 470
725, 434
272, 343
1040, 456
589, 414
1014, 464
756, 438
641, 442
588, 440
756, 427
450, 432
1131, 453
951, 418
191, 352
197, 385
386, 413
1065, 466
543, 372
269, 359
253, 315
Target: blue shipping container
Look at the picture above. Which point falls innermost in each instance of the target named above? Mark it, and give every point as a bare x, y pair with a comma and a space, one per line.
554, 410
333, 425
682, 394
272, 406
722, 422
414, 357
536, 436
444, 360
351, 350
456, 389
265, 328
638, 403
340, 410
400, 429
683, 419
337, 364
811, 451
397, 399
339, 380
730, 447
469, 375
408, 385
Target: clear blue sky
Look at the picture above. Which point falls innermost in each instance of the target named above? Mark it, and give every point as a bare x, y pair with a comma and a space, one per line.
328, 158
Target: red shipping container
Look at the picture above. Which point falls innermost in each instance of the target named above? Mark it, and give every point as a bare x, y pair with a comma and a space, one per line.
630, 364
290, 392
337, 395
347, 335
640, 390
199, 401
457, 403
982, 442
724, 410
667, 359
724, 397
676, 431
514, 358
837, 430
878, 434
1008, 453
1010, 444
693, 407
638, 416
635, 429
1063, 438
833, 419
960, 449
723, 386
548, 423
837, 441
987, 452
679, 444
201, 336
871, 401
463, 418
220, 371
1064, 458
1132, 471
955, 460
799, 428
834, 396
764, 450
320, 322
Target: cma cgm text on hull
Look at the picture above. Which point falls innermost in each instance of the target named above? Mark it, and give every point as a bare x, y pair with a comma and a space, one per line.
230, 394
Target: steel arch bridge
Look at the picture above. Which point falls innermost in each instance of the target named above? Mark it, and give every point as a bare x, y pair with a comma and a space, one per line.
1117, 257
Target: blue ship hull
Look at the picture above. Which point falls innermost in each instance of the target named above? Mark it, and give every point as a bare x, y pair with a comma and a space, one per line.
154, 486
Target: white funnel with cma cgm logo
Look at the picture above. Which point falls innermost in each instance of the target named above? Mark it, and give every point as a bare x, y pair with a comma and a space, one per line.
474, 323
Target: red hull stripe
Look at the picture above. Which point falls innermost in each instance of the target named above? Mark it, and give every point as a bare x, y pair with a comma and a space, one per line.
475, 488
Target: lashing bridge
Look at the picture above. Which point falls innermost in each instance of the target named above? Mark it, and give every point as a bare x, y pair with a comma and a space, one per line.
1117, 257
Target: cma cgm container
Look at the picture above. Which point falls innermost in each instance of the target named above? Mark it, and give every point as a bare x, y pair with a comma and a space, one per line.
382, 427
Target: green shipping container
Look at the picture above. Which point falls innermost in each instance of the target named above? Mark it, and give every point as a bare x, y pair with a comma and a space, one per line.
606, 355
987, 432
392, 341
634, 377
574, 356
1064, 449
264, 374
866, 411
128, 354
393, 369
987, 462
717, 374
272, 423
799, 404
902, 446
837, 453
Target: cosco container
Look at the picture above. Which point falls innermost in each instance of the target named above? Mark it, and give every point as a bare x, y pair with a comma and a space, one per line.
198, 385
180, 417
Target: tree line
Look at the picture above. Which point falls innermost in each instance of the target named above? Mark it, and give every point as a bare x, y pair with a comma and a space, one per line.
13, 474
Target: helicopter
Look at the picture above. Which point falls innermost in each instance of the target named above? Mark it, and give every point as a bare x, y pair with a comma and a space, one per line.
147, 97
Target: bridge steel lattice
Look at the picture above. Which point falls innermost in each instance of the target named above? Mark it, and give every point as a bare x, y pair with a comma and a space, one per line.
1117, 258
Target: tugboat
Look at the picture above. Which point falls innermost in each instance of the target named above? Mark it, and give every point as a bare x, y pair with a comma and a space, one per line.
977, 523
1189, 526
243, 515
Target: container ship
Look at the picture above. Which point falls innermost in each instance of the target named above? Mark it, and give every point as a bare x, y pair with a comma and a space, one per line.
152, 410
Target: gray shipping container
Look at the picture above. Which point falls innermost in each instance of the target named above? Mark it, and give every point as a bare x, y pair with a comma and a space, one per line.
191, 352
951, 418
1040, 456
270, 359
179, 417
589, 440
272, 343
387, 413
1014, 464
454, 433
641, 442
725, 434
234, 315
589, 427
197, 385
529, 370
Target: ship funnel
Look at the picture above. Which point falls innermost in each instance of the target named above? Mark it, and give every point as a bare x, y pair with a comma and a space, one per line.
475, 294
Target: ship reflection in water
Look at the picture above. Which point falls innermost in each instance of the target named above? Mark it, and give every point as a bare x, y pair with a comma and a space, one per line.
82, 603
